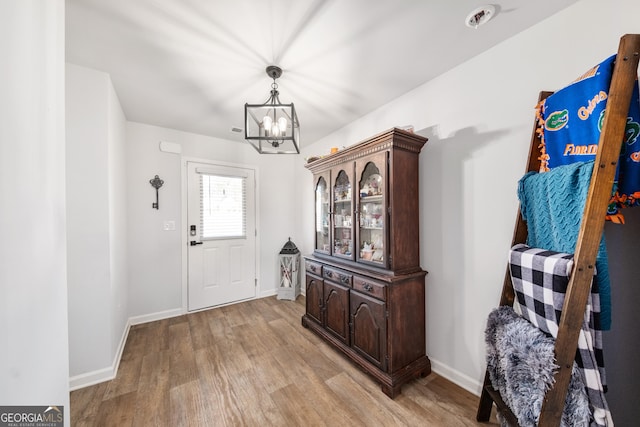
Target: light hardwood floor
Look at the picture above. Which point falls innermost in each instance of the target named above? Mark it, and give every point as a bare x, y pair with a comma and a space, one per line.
253, 364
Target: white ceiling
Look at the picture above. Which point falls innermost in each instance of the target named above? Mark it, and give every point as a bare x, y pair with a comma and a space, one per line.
192, 64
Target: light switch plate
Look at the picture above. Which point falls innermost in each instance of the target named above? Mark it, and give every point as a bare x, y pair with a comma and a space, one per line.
169, 225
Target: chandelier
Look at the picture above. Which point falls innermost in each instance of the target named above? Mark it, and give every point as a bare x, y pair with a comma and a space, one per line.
272, 127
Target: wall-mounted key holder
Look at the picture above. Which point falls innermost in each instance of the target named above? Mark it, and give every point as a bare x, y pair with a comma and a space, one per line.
156, 183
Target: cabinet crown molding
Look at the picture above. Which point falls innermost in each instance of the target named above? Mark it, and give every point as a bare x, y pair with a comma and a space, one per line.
397, 138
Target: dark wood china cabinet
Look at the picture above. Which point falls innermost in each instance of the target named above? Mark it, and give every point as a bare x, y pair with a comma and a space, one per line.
365, 289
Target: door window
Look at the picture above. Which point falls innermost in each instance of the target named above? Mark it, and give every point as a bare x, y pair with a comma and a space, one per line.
223, 212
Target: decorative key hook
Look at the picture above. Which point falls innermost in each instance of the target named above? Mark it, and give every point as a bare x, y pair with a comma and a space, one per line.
156, 183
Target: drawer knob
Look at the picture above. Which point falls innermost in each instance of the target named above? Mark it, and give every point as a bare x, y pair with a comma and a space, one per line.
313, 268
329, 274
367, 287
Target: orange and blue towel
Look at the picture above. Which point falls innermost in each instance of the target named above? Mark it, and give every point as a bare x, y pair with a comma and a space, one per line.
570, 122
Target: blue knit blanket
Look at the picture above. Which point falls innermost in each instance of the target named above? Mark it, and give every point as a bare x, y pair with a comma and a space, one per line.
552, 204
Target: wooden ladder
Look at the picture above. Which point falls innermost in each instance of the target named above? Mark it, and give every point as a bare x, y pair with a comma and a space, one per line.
625, 73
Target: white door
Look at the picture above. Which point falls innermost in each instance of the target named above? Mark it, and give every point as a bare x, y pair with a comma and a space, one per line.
221, 228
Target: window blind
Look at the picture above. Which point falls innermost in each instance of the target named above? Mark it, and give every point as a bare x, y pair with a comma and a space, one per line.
223, 207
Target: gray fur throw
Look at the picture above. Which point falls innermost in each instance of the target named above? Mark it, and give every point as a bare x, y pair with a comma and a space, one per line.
521, 364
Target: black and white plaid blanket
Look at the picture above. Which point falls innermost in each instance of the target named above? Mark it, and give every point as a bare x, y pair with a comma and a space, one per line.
540, 280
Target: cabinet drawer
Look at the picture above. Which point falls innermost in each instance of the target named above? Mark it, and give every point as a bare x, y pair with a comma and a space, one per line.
337, 276
313, 267
369, 287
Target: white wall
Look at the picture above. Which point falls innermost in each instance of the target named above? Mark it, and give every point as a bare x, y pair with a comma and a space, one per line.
156, 260
118, 256
88, 220
96, 224
33, 290
478, 118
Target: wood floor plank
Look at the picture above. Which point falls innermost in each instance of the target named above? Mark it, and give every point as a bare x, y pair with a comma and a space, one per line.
269, 410
264, 306
85, 402
253, 364
214, 382
322, 366
296, 409
290, 311
220, 328
118, 411
237, 357
250, 312
333, 408
342, 362
157, 336
255, 403
201, 335
296, 365
188, 406
293, 335
397, 406
127, 381
269, 372
180, 337
136, 343
177, 319
182, 360
367, 408
258, 339
234, 315
450, 401
152, 408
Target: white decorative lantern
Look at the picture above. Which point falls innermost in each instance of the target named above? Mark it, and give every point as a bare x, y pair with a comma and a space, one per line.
289, 258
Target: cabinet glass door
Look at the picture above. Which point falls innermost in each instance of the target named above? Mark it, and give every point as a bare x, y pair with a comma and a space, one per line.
371, 235
342, 217
322, 216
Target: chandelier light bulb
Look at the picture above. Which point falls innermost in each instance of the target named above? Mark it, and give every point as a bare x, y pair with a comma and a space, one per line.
266, 123
282, 124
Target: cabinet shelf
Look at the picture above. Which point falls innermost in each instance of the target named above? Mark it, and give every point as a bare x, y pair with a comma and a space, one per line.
376, 198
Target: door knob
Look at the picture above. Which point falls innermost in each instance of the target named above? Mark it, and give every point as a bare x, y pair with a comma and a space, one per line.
193, 243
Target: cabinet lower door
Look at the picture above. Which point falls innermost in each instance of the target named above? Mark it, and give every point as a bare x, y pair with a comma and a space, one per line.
314, 298
336, 305
369, 329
